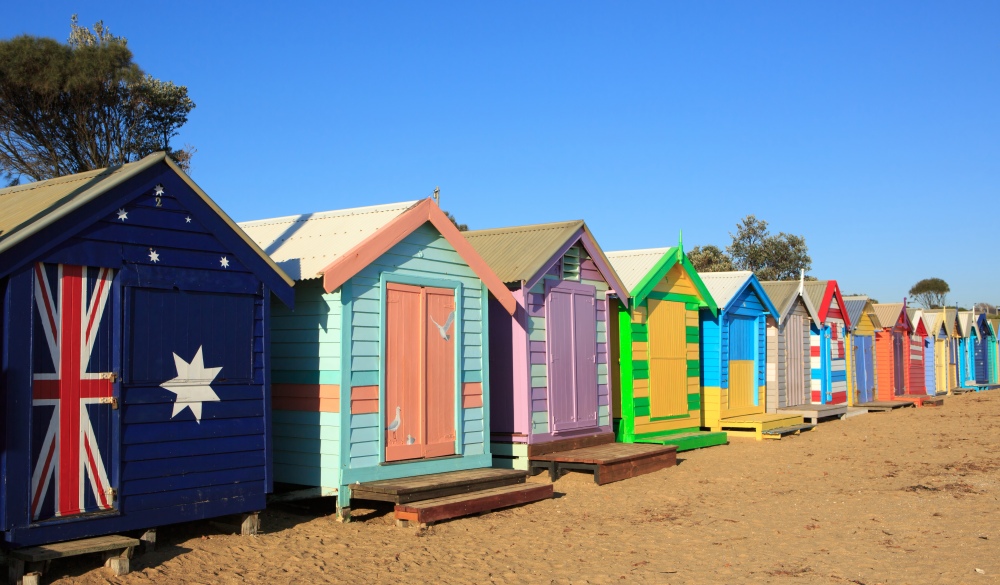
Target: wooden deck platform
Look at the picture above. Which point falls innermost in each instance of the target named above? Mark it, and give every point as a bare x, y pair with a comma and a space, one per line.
756, 425
455, 506
117, 552
686, 441
814, 413
610, 462
886, 405
436, 485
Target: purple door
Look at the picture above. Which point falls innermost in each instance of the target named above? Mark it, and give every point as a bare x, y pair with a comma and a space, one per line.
571, 339
899, 362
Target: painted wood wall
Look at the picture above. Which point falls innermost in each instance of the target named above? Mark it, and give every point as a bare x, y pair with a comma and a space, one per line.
715, 356
884, 365
865, 327
778, 352
916, 372
633, 346
171, 468
835, 359
424, 254
305, 374
574, 266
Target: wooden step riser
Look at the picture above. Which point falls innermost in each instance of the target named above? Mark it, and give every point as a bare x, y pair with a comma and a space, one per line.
431, 494
475, 505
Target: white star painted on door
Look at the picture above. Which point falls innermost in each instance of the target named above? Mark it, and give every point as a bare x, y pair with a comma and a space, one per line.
193, 385
225, 262
122, 214
153, 256
158, 190
187, 219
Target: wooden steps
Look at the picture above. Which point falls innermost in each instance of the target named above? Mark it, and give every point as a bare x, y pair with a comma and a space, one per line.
754, 425
610, 462
117, 552
436, 485
687, 441
923, 399
813, 413
465, 504
886, 405
785, 431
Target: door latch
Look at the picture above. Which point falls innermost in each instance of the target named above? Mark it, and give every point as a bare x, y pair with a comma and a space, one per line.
110, 400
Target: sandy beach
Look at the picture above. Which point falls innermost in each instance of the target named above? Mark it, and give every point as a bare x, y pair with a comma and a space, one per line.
903, 497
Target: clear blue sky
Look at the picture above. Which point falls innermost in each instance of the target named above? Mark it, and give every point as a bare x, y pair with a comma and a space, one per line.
871, 128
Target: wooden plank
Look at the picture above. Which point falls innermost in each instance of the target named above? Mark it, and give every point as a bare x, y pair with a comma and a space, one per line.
73, 548
438, 509
424, 487
570, 444
607, 454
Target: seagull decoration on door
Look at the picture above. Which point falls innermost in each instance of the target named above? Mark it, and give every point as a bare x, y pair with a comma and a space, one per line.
395, 422
443, 329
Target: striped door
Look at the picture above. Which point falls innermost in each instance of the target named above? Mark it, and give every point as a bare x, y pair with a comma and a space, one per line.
419, 372
571, 344
917, 375
667, 358
795, 375
742, 361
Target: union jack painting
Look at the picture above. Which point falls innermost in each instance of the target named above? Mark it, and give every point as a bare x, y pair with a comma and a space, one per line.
72, 390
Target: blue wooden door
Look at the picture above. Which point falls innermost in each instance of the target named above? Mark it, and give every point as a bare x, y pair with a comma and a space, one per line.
980, 360
74, 391
930, 364
826, 395
864, 365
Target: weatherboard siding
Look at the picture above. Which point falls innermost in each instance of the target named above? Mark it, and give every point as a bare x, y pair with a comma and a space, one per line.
778, 353
423, 254
306, 360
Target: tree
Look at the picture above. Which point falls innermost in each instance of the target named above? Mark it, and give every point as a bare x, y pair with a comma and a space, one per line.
931, 293
83, 105
710, 259
461, 226
771, 257
985, 308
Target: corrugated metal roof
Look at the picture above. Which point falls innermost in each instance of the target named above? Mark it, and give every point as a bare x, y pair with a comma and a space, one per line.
517, 253
915, 317
855, 306
723, 286
815, 290
782, 292
26, 208
932, 321
303, 245
633, 265
966, 322
888, 313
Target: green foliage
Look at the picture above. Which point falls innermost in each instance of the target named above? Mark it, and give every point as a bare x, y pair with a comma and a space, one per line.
83, 105
769, 256
710, 259
931, 293
461, 226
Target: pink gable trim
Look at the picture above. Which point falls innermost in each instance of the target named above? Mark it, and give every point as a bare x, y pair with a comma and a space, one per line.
366, 252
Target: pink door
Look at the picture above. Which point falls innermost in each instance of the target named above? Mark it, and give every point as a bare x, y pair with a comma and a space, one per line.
419, 372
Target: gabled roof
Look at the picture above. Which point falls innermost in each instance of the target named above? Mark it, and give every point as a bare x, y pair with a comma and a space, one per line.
889, 314
982, 320
303, 245
855, 307
916, 319
520, 255
822, 293
941, 318
965, 322
26, 210
642, 270
727, 286
784, 293
932, 321
338, 244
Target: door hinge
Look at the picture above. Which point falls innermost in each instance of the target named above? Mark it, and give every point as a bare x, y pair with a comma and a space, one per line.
110, 376
111, 493
110, 400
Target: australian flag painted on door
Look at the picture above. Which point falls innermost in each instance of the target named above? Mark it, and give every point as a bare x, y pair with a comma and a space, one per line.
73, 420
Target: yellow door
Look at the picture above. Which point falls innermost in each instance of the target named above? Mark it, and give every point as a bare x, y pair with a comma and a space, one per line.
667, 358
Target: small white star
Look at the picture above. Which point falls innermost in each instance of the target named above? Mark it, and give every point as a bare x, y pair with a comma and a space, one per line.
158, 190
153, 256
225, 262
187, 219
122, 214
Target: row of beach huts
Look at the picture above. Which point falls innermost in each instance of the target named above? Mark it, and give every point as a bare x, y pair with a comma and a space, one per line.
162, 363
